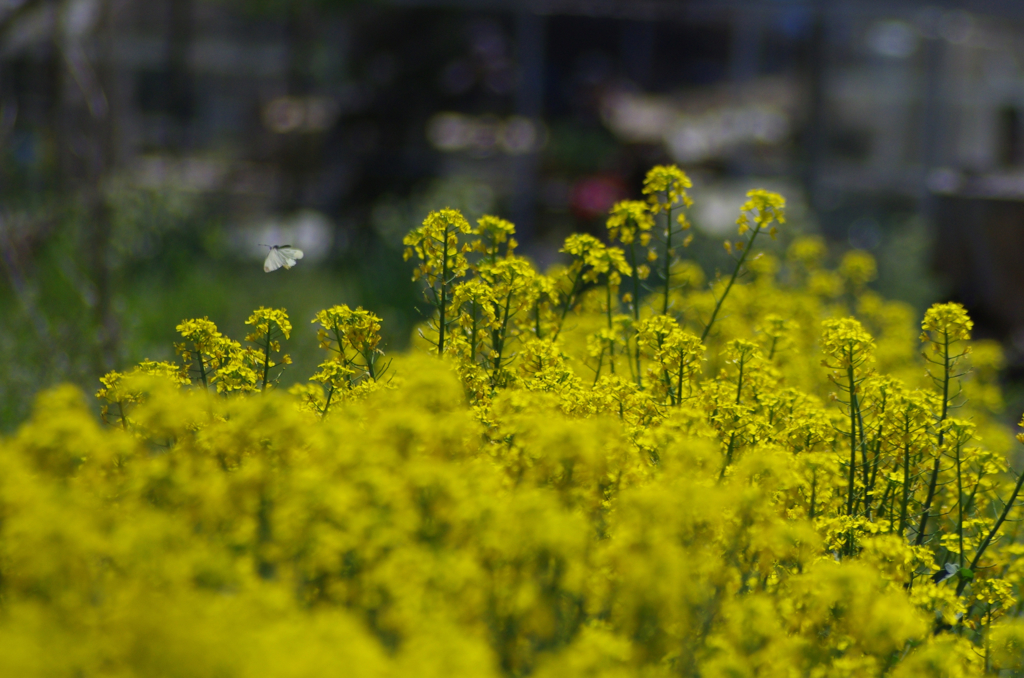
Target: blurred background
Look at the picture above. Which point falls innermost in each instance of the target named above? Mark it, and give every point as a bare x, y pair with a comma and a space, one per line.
147, 147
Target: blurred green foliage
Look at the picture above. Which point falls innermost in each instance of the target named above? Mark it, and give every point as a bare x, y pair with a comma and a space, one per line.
169, 259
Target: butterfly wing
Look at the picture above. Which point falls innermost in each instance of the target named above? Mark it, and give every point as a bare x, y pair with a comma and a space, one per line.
291, 255
949, 570
275, 260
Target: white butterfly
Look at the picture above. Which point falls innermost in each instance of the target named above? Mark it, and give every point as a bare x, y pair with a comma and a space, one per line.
948, 570
281, 255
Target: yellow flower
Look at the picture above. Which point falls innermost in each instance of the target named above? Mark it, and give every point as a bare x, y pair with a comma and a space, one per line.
629, 221
858, 267
436, 245
846, 343
764, 207
494, 231
266, 321
665, 187
809, 251
946, 322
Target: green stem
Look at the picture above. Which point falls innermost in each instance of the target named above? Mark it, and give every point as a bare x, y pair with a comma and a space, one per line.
869, 492
732, 279
339, 338
884, 510
853, 435
969, 504
933, 482
327, 403
959, 505
732, 436
668, 259
202, 368
739, 382
600, 364
370, 358
666, 378
570, 301
679, 396
871, 470
472, 338
636, 310
905, 499
499, 337
728, 455
444, 295
611, 341
636, 281
995, 528
266, 361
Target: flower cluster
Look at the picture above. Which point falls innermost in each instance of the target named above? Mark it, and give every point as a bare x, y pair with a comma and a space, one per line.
583, 474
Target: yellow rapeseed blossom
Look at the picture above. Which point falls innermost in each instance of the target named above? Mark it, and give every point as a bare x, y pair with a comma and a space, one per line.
760, 210
494, 231
266, 321
630, 221
809, 251
564, 478
665, 187
581, 245
946, 322
344, 329
436, 245
1007, 642
858, 267
206, 351
352, 338
846, 344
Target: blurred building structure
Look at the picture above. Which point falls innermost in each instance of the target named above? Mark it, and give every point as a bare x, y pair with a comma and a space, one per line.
548, 110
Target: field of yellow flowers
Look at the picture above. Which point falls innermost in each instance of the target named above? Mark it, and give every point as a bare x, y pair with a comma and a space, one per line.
616, 468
